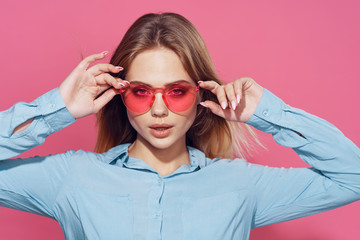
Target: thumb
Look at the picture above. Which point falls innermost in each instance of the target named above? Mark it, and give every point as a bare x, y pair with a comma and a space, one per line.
102, 100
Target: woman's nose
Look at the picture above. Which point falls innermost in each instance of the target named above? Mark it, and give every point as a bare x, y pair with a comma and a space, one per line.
159, 108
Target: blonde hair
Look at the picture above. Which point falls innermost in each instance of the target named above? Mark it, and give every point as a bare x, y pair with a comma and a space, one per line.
213, 135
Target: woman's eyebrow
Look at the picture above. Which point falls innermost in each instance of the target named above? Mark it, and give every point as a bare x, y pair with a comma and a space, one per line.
140, 82
177, 81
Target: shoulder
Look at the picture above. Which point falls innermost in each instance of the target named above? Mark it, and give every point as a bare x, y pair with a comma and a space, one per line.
235, 166
113, 154
199, 157
237, 169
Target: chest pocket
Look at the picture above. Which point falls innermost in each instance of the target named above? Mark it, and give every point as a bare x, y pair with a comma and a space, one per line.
215, 217
105, 216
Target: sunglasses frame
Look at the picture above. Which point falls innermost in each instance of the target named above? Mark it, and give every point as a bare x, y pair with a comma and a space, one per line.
156, 90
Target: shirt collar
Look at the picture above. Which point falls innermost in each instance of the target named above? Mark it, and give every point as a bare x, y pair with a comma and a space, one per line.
118, 156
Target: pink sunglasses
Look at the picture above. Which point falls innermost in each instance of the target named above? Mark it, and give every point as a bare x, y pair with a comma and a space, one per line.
178, 96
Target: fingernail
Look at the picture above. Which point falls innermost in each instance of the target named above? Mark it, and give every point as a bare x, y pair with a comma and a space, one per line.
203, 104
238, 98
118, 67
121, 84
233, 104
127, 82
223, 105
105, 52
199, 82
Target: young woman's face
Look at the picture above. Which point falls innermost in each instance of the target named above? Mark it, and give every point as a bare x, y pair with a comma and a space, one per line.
159, 126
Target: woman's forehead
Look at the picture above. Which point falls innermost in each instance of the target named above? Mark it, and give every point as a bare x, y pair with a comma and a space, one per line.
159, 84
157, 67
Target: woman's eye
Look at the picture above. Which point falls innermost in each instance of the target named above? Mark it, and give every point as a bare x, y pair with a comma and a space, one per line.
177, 91
141, 91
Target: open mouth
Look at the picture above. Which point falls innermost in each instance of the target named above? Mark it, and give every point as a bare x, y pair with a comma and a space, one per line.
161, 128
160, 131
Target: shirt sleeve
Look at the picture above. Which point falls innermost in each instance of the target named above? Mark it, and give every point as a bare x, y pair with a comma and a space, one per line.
50, 115
32, 184
333, 179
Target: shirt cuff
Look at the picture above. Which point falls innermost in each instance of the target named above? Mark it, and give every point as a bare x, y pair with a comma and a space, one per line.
284, 122
52, 107
268, 112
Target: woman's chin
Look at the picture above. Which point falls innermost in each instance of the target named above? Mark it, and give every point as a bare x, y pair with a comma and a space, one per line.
163, 143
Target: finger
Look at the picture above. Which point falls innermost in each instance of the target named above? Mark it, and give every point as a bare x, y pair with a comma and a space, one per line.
214, 108
238, 90
230, 94
209, 85
102, 88
221, 96
104, 67
106, 78
101, 101
84, 64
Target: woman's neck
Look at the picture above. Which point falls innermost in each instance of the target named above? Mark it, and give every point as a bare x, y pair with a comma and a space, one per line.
164, 161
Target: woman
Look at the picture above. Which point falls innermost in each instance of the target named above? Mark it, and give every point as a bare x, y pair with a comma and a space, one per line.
167, 126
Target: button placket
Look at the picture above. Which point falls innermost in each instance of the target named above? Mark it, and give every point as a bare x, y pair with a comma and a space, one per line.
155, 208
160, 186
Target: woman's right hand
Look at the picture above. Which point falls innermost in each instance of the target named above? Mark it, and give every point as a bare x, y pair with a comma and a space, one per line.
82, 88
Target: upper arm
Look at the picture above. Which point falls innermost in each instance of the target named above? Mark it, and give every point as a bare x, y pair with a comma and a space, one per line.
284, 194
332, 181
32, 184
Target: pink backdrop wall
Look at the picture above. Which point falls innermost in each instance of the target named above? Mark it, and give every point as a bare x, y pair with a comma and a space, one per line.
307, 52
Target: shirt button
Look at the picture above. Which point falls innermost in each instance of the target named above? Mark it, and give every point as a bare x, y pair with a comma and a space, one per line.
265, 113
51, 105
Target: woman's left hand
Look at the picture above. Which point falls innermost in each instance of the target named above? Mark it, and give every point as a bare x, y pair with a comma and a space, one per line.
238, 99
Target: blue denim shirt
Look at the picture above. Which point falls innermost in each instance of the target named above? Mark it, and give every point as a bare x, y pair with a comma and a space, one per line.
114, 196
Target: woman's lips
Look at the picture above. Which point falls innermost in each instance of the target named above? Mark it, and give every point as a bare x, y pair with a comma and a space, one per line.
160, 130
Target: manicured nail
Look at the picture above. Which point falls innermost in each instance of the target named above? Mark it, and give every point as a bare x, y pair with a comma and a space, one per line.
121, 84
238, 98
233, 104
223, 105
118, 67
105, 52
203, 104
127, 82
199, 82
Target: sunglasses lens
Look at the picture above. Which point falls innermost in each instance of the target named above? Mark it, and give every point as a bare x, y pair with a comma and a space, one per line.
179, 97
138, 98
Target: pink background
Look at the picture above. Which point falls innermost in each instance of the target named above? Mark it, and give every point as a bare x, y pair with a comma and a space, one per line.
307, 52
